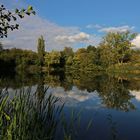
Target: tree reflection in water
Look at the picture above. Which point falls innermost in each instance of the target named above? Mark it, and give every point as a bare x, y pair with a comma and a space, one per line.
114, 93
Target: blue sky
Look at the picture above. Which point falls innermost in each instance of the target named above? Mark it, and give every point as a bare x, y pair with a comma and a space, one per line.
83, 12
75, 23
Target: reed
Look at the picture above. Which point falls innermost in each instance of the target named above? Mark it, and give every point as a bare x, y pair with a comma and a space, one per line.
25, 118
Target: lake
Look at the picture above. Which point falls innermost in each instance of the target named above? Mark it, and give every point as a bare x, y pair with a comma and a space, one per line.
110, 101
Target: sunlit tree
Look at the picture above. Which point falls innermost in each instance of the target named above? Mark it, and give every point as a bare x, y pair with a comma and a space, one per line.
121, 44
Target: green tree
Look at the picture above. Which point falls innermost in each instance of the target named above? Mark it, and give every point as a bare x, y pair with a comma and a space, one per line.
52, 58
66, 56
68, 51
121, 44
107, 56
41, 50
91, 48
84, 59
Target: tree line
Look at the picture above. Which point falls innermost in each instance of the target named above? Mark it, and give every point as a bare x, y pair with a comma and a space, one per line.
114, 52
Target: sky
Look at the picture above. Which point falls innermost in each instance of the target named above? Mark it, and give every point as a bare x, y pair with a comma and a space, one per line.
74, 23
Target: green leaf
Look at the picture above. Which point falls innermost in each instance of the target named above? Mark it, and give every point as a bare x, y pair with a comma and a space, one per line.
7, 117
30, 8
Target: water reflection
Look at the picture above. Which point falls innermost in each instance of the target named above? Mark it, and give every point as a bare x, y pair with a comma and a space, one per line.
136, 94
114, 92
110, 100
40, 88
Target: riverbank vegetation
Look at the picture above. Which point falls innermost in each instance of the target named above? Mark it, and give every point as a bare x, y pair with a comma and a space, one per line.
115, 53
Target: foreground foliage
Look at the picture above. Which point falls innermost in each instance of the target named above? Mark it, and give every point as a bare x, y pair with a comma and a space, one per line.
24, 117
8, 18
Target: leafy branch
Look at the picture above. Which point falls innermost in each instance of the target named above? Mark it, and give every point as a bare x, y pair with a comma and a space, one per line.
7, 19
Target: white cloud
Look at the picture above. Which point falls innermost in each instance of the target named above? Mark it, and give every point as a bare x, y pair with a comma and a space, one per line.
92, 26
56, 36
136, 41
73, 96
136, 94
80, 37
116, 29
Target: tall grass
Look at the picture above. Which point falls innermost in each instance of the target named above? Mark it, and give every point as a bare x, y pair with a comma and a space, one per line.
24, 118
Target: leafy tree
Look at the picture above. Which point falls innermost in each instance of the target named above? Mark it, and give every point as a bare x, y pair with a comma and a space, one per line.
68, 51
107, 56
91, 48
17, 59
7, 19
84, 59
52, 58
41, 50
69, 61
135, 58
66, 56
121, 44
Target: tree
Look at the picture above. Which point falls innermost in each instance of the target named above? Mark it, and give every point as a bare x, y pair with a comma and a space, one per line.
66, 55
84, 59
52, 58
120, 44
41, 50
91, 48
7, 19
107, 56
68, 51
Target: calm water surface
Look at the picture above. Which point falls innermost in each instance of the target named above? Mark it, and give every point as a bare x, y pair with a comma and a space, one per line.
111, 102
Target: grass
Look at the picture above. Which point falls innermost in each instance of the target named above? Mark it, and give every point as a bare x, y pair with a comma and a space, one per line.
26, 117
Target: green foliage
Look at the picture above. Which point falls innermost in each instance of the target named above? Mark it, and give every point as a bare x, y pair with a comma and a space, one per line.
8, 18
52, 59
24, 118
41, 50
17, 59
119, 45
107, 55
116, 48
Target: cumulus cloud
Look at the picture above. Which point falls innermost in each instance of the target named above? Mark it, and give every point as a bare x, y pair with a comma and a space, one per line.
116, 29
80, 37
136, 41
57, 37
